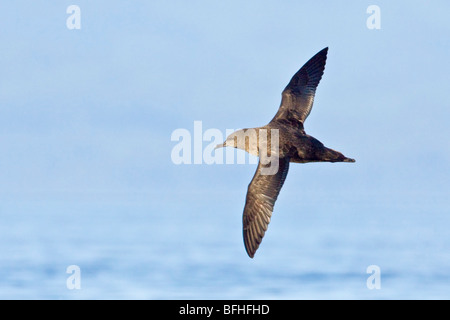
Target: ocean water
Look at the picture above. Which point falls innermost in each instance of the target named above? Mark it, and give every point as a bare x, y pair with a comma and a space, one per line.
139, 246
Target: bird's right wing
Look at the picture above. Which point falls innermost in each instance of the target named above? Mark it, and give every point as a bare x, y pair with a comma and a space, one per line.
261, 196
298, 96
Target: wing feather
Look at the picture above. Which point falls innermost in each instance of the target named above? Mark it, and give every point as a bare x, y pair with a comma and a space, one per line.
262, 193
298, 96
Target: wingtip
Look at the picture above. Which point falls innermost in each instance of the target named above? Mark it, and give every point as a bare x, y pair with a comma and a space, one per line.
250, 252
321, 55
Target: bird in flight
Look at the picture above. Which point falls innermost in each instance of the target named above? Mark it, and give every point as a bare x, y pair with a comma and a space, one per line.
286, 143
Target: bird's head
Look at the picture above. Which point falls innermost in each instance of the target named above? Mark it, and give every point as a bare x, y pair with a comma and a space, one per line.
231, 141
238, 139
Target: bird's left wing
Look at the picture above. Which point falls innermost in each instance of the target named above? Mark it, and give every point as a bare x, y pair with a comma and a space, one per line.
261, 196
298, 96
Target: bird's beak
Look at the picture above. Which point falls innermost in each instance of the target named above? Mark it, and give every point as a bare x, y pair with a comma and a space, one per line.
219, 146
349, 160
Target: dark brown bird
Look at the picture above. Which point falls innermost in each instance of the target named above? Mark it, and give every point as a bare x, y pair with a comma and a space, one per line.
286, 142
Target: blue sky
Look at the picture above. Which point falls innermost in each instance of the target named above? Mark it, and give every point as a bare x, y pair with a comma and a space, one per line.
87, 115
94, 108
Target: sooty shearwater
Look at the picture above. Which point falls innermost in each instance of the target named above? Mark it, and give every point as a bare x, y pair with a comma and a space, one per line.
294, 145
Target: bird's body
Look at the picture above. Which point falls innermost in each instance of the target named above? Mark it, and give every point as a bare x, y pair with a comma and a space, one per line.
295, 144
292, 145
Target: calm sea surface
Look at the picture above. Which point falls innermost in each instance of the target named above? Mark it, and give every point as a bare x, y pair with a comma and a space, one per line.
133, 247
